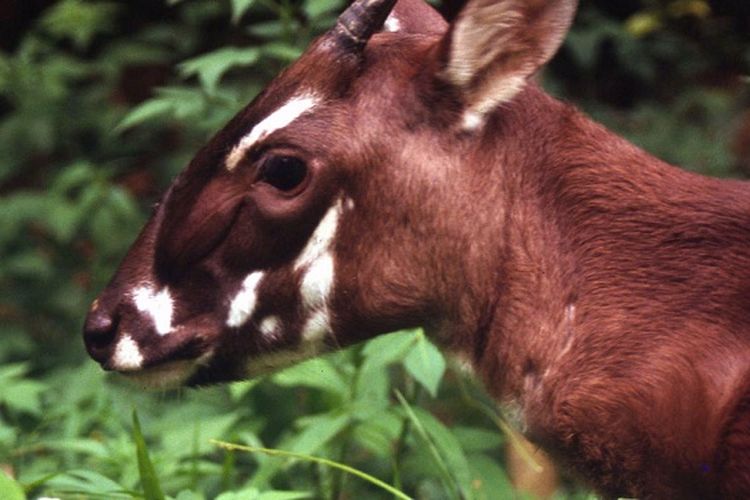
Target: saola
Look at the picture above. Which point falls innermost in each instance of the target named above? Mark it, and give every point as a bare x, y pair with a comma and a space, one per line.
405, 172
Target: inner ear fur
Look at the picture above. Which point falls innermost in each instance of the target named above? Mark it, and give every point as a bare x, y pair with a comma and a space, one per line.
494, 46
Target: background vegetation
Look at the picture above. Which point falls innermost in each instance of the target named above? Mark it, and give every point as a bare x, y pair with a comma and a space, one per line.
102, 103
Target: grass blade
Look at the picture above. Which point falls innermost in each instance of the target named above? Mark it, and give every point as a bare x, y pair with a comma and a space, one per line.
323, 461
149, 481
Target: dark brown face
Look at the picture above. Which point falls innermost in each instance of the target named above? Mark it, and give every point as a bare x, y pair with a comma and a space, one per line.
335, 206
254, 257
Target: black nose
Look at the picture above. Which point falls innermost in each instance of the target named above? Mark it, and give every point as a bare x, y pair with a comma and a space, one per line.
99, 332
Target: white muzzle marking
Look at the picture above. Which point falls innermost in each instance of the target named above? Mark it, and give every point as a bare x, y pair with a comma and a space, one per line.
158, 306
127, 355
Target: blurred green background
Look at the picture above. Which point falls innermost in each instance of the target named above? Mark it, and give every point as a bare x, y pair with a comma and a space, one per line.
102, 103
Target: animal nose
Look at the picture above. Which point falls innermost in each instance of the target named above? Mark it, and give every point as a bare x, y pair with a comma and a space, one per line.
99, 332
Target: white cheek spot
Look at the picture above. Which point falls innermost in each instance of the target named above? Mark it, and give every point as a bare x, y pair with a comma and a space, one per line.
269, 327
392, 24
318, 282
282, 117
158, 306
321, 239
316, 327
127, 355
243, 304
349, 204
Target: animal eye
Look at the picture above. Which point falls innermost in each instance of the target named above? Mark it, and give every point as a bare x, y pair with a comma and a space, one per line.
283, 172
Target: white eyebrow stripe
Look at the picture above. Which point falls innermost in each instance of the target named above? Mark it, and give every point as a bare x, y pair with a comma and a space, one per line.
282, 117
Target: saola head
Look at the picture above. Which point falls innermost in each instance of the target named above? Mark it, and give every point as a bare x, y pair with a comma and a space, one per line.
338, 205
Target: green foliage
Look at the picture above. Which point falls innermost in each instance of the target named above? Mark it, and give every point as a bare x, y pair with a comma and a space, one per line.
102, 103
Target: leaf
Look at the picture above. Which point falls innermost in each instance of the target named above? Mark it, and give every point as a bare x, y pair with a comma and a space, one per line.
239, 7
144, 112
149, 480
489, 480
79, 21
443, 446
316, 373
477, 439
426, 364
386, 349
282, 51
86, 482
319, 431
316, 8
10, 489
209, 68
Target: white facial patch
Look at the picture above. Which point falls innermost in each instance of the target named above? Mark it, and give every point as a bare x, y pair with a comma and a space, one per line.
269, 327
127, 355
243, 304
316, 327
321, 239
158, 306
282, 117
317, 282
392, 24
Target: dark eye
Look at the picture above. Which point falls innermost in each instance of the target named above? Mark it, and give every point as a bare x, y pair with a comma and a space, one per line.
283, 172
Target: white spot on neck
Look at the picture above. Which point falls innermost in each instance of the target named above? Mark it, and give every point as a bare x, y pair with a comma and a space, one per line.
243, 304
127, 355
158, 306
392, 23
282, 117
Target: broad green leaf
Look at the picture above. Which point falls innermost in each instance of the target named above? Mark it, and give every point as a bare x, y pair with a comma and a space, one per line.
319, 430
426, 364
149, 480
488, 480
443, 446
317, 373
239, 7
9, 489
144, 112
85, 483
281, 51
316, 8
477, 438
209, 68
79, 21
386, 349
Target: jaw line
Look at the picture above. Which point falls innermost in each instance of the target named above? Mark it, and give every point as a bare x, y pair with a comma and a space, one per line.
169, 375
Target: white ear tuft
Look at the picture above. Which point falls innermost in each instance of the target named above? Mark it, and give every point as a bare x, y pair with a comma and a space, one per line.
494, 46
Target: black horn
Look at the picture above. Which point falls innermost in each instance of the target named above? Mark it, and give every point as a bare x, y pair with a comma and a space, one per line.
359, 21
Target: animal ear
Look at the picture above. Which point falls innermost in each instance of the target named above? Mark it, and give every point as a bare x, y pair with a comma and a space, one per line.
494, 46
414, 17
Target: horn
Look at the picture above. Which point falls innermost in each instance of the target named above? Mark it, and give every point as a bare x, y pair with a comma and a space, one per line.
359, 21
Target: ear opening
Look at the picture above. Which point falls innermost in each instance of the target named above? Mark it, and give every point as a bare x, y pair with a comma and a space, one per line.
494, 46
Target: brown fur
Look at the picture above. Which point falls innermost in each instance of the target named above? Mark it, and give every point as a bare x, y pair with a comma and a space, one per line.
602, 292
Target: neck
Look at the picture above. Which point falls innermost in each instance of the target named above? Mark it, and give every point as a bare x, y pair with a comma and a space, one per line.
620, 297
